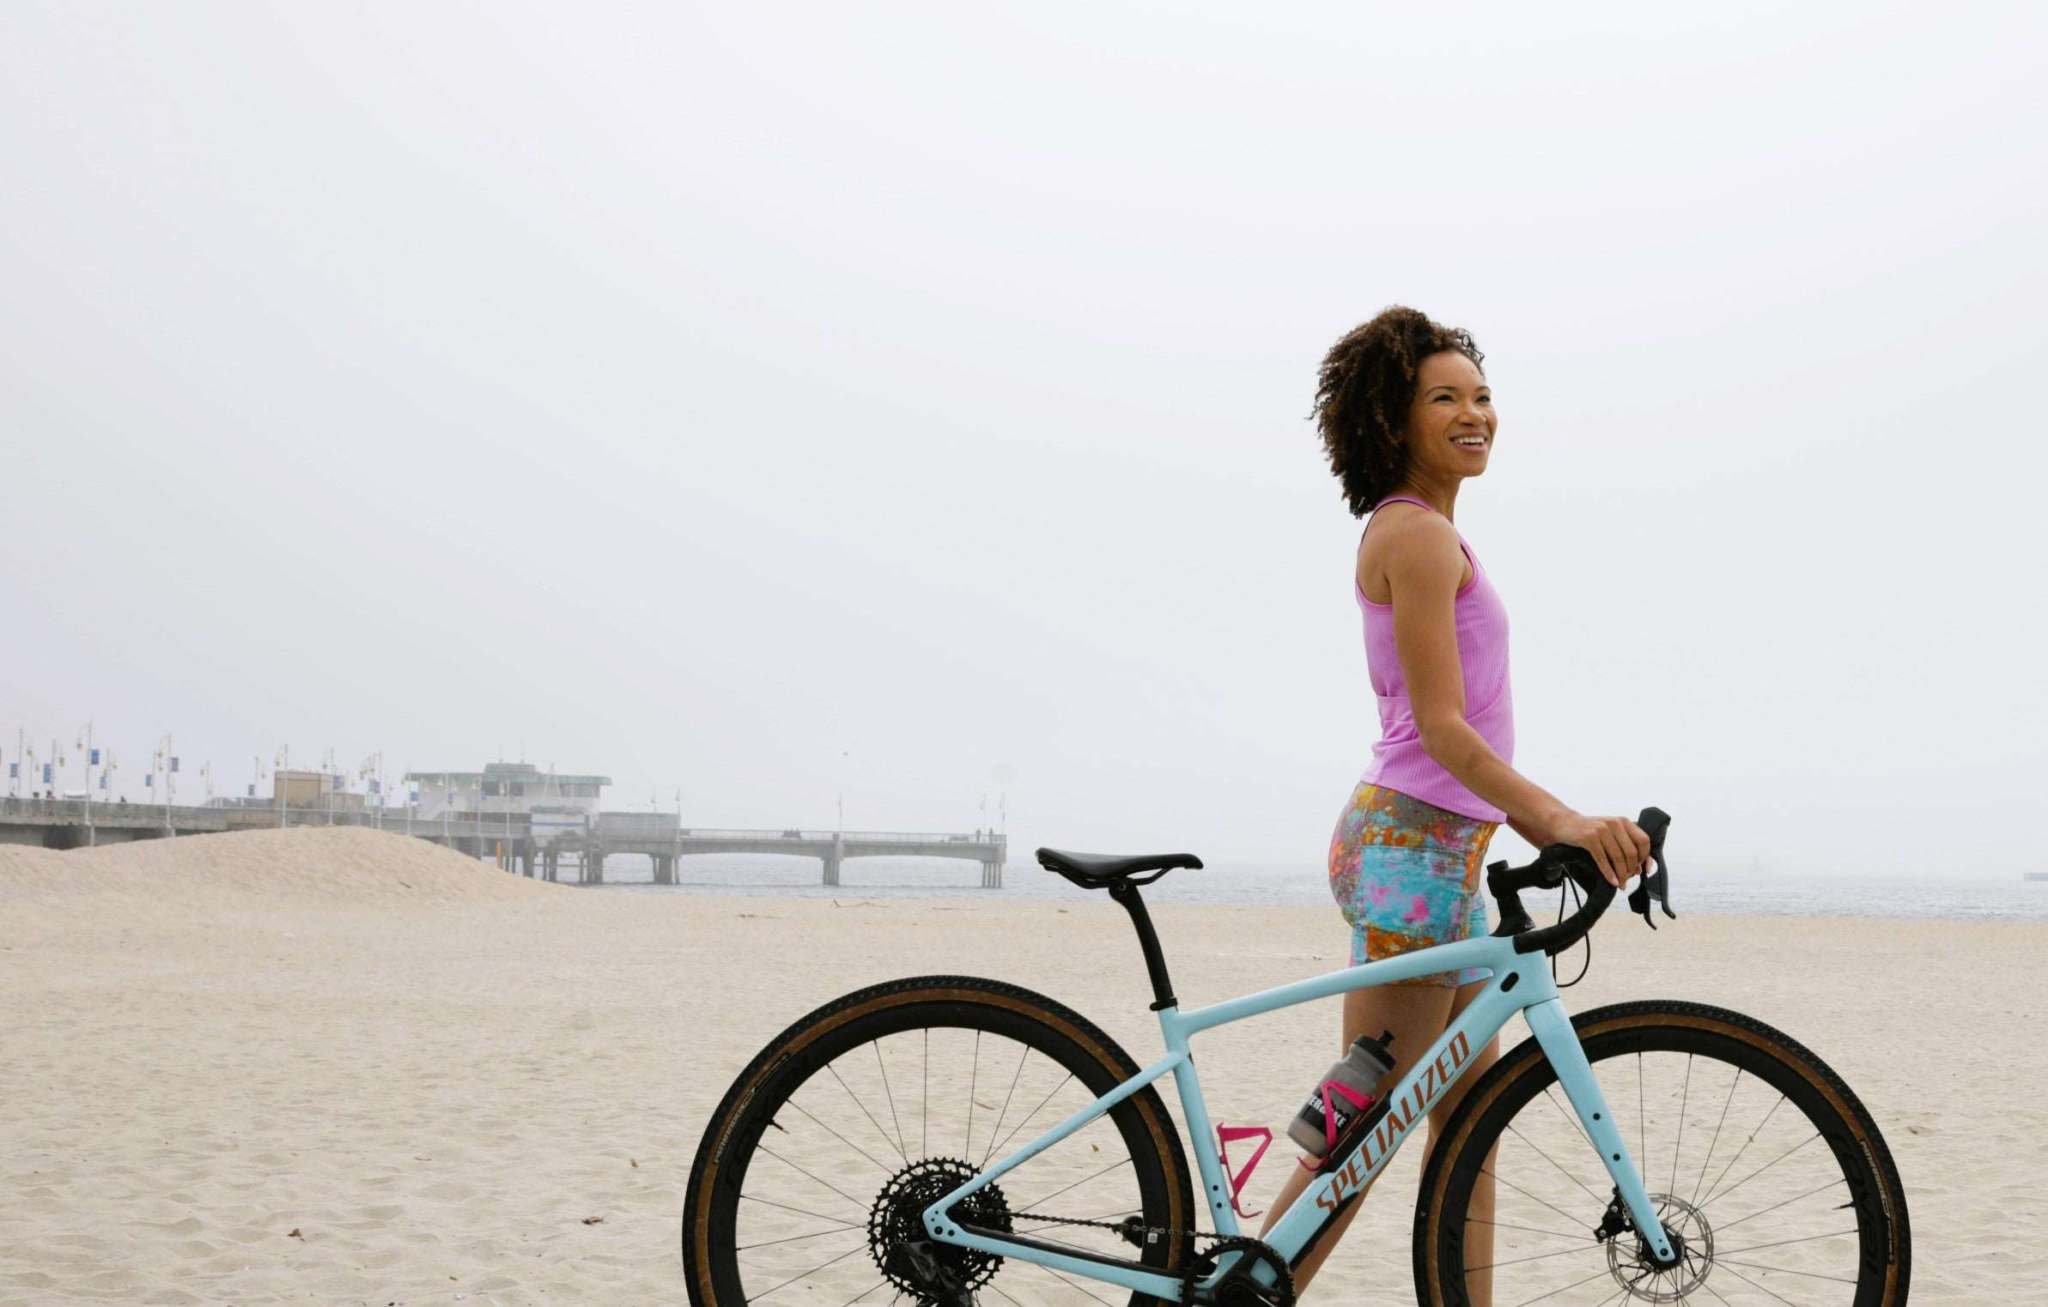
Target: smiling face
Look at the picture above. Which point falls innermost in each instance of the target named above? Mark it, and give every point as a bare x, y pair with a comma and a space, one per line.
1451, 423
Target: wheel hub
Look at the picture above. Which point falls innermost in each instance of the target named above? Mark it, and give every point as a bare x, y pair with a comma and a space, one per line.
1635, 1267
902, 1248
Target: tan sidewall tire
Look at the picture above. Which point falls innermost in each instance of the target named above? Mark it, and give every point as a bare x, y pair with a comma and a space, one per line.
1526, 1060
1114, 1063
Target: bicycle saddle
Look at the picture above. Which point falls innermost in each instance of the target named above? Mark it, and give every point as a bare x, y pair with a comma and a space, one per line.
1102, 870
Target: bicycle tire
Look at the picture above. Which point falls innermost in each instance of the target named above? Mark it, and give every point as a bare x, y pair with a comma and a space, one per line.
718, 1175
1882, 1249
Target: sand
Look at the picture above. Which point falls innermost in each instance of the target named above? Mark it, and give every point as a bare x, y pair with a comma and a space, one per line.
337, 1066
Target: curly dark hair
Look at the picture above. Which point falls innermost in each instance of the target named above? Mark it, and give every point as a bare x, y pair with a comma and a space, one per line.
1364, 391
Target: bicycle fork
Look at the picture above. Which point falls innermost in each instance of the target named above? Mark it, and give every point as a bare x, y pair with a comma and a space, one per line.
1560, 1043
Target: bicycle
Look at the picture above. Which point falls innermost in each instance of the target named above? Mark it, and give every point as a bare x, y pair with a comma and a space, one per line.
799, 1135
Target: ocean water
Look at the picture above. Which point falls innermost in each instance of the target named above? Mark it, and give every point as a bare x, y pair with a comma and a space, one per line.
1747, 891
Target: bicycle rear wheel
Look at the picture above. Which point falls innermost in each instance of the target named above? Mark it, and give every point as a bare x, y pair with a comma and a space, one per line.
813, 1171
1758, 1157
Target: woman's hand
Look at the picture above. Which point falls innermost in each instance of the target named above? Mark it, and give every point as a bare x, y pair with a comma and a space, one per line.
1617, 844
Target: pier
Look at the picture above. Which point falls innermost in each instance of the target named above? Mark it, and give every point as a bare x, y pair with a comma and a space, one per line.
507, 838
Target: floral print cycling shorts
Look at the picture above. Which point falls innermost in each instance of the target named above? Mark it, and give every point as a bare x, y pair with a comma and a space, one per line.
1406, 874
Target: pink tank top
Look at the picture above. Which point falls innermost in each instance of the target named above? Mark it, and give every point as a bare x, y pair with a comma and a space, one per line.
1398, 760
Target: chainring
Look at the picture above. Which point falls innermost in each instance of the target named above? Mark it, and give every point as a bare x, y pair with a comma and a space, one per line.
1237, 1288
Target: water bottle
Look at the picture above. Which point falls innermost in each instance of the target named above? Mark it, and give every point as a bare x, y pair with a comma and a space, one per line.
1328, 1112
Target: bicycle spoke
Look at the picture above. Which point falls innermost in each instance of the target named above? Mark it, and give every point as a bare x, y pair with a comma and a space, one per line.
1760, 1288
1780, 1270
1745, 1147
859, 1247
795, 1238
1780, 1243
1562, 1287
1034, 1111
1594, 1246
749, 1198
1554, 1162
840, 1137
1723, 1193
1526, 1194
880, 1066
1642, 1112
827, 1183
1077, 1284
1775, 1206
1024, 1209
1684, 1097
1571, 1117
869, 1115
966, 1143
1532, 1229
924, 1139
865, 1292
1022, 1053
1737, 1079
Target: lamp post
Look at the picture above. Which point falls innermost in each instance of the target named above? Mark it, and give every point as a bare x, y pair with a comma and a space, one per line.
282, 784
371, 772
88, 755
170, 776
327, 781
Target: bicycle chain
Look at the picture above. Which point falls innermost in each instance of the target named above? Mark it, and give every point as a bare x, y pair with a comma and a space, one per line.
1223, 1243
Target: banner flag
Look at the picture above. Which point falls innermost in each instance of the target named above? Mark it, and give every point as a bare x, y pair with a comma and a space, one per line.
174, 764
47, 777
94, 759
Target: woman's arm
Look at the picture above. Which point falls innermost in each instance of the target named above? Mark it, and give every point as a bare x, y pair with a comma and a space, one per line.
1424, 566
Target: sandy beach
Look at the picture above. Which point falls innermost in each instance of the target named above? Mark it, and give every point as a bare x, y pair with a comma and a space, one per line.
334, 1066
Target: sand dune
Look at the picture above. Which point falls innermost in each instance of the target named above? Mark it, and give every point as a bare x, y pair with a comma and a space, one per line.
339, 1067
339, 864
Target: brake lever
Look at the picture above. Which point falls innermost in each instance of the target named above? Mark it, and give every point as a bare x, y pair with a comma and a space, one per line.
1656, 884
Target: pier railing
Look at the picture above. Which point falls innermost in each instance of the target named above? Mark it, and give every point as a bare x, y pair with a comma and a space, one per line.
510, 837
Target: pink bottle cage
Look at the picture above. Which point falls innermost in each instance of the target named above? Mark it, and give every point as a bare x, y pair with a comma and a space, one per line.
1356, 1099
1226, 1133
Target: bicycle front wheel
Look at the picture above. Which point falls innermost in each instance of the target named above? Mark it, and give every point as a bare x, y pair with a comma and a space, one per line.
815, 1170
1760, 1160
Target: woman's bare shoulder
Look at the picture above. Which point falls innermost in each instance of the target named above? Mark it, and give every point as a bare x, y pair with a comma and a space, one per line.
1418, 543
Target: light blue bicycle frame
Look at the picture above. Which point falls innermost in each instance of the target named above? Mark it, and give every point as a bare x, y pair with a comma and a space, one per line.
1521, 982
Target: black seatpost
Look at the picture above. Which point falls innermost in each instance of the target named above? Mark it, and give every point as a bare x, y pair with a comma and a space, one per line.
1155, 961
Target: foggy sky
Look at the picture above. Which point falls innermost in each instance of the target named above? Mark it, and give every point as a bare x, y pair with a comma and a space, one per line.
772, 402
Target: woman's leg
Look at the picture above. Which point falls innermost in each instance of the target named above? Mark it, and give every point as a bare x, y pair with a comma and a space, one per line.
1406, 875
1417, 1015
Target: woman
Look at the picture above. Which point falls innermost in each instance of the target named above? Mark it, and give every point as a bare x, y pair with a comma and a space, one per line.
1406, 415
